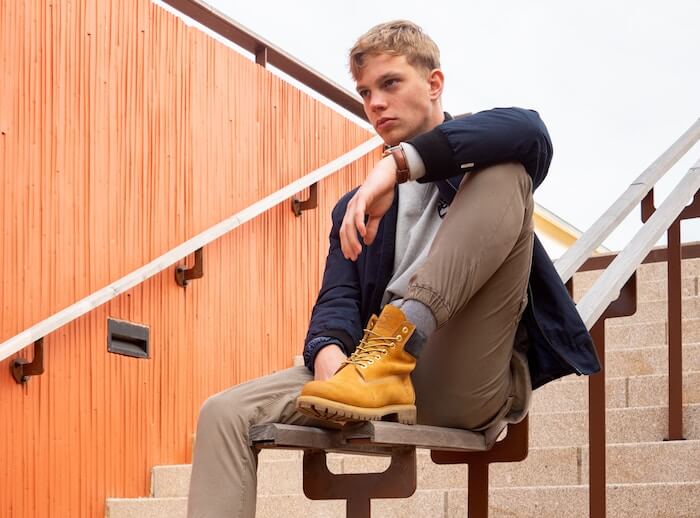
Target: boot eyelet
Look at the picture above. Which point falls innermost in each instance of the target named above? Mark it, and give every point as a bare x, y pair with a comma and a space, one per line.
399, 338
404, 330
363, 366
370, 362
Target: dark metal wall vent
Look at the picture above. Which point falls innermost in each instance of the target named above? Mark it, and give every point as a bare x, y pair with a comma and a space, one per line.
128, 338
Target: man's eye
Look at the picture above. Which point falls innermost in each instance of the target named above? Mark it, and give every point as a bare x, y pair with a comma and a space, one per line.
390, 82
363, 93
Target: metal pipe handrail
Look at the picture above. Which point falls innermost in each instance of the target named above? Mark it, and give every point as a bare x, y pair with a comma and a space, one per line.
245, 38
166, 260
607, 287
584, 247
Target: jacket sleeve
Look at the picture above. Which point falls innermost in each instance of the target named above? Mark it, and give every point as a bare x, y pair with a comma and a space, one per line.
486, 138
335, 317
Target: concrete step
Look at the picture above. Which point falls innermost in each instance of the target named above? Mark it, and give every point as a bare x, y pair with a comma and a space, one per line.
647, 291
646, 273
626, 463
146, 507
639, 361
174, 480
647, 334
678, 500
623, 501
624, 425
571, 394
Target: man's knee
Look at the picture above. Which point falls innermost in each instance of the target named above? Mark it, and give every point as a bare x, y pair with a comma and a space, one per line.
223, 411
503, 177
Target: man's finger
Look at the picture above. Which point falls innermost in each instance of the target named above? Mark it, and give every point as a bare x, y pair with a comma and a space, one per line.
372, 228
349, 243
359, 217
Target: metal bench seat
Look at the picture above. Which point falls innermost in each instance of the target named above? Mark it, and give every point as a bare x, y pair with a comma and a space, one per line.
399, 442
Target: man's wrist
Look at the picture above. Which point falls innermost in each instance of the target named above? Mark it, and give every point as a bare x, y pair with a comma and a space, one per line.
314, 346
408, 162
399, 156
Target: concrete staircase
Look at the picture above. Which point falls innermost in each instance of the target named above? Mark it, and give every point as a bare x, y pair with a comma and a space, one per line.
646, 476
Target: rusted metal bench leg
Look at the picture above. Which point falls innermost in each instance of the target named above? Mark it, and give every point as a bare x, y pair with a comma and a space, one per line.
358, 489
478, 490
513, 448
359, 508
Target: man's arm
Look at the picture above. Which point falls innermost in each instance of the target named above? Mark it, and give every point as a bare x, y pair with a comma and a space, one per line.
335, 319
486, 138
454, 147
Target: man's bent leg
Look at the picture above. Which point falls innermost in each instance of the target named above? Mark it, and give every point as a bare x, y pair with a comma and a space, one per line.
475, 282
224, 471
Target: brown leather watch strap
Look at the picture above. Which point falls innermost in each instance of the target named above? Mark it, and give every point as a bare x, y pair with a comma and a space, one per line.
402, 173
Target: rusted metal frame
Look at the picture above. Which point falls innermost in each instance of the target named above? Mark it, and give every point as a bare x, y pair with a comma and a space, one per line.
675, 312
514, 448
251, 42
358, 489
183, 275
624, 305
299, 206
261, 56
22, 369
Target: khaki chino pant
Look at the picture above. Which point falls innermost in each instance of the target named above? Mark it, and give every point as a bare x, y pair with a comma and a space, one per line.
468, 376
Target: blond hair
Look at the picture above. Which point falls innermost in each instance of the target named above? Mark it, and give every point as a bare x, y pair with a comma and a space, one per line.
397, 38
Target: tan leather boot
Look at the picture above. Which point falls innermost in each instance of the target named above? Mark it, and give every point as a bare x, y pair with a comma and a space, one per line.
374, 382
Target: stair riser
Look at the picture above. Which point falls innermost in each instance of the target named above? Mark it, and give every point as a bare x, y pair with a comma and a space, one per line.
620, 393
146, 508
623, 426
649, 501
650, 334
649, 360
650, 462
648, 291
646, 272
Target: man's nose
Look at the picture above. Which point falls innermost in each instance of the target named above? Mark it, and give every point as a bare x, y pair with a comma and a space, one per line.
377, 102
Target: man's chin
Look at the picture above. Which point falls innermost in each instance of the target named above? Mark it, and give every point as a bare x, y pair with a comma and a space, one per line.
390, 139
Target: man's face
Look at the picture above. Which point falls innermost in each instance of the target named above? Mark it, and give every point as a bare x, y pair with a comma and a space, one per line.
400, 100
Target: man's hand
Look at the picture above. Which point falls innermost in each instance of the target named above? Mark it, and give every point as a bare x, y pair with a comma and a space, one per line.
373, 199
327, 362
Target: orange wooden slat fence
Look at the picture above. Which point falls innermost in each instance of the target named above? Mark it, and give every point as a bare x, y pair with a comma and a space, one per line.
123, 132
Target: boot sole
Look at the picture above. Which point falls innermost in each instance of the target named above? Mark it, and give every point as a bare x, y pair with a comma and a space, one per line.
328, 410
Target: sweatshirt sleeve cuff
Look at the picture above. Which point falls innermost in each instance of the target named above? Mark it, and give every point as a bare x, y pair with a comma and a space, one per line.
416, 167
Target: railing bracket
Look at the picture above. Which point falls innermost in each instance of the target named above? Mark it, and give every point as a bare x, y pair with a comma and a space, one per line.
183, 275
299, 206
22, 369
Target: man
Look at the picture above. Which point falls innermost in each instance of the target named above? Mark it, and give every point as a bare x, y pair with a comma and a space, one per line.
438, 242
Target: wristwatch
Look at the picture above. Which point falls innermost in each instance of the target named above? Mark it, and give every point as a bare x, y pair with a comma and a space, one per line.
402, 173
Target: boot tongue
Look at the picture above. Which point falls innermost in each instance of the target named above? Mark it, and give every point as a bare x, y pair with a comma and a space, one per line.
389, 320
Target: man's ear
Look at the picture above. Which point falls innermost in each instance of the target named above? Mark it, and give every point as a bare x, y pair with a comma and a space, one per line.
436, 82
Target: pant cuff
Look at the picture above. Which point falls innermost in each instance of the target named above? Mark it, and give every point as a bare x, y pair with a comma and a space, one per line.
432, 299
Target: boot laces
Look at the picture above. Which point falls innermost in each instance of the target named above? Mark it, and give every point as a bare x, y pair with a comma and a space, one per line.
371, 348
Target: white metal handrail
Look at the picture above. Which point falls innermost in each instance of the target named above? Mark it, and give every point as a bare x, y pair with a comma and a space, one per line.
607, 287
582, 249
169, 258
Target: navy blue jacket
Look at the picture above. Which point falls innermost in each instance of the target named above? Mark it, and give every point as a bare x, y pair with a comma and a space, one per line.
559, 343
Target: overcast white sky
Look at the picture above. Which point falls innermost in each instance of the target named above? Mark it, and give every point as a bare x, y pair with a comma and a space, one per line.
616, 82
